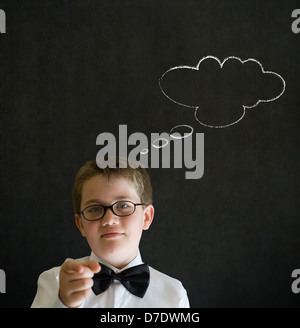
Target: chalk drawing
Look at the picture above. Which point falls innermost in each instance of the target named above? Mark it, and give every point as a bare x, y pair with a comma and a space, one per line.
243, 108
157, 144
176, 135
177, 132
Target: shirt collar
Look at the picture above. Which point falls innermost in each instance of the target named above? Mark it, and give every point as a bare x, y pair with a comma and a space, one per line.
136, 261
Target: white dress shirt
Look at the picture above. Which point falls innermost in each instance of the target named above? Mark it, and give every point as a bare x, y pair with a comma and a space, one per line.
163, 291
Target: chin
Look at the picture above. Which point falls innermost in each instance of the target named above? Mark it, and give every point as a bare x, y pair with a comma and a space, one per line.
116, 253
111, 251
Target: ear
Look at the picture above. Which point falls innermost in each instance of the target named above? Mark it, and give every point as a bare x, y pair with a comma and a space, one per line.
148, 217
79, 224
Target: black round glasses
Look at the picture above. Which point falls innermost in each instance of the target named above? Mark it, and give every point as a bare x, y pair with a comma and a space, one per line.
120, 208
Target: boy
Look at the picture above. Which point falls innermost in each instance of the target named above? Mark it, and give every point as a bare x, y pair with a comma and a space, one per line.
112, 208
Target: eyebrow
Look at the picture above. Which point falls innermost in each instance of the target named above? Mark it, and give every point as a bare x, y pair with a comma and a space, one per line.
99, 201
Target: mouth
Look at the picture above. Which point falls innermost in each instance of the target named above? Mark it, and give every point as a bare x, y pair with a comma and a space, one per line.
112, 235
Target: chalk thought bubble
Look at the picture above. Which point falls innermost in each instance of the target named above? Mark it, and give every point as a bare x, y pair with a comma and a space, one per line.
220, 92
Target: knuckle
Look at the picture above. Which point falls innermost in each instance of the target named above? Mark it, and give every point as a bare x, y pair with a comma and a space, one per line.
86, 283
86, 293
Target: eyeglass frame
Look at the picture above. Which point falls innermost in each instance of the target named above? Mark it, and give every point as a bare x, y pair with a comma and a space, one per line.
109, 207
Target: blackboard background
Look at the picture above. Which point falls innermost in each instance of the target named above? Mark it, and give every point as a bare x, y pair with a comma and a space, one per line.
73, 69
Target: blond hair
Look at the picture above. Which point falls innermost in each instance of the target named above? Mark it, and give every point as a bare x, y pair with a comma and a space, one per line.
138, 176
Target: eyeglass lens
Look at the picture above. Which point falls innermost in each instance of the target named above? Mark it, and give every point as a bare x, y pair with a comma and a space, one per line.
95, 212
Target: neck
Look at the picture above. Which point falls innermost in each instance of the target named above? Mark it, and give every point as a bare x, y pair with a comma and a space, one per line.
118, 263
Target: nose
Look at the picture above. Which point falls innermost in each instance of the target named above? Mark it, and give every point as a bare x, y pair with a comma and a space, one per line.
109, 218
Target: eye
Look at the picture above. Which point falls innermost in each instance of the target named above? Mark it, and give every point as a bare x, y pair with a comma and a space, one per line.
123, 205
123, 208
94, 209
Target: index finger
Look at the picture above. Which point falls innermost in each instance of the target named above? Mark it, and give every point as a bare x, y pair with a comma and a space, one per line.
93, 265
71, 266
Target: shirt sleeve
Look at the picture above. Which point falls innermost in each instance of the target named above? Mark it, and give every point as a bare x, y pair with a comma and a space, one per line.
47, 290
185, 301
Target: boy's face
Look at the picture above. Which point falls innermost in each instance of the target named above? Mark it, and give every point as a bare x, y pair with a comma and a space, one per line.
114, 239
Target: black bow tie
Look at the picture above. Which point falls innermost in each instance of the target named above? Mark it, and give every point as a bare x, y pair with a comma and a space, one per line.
135, 279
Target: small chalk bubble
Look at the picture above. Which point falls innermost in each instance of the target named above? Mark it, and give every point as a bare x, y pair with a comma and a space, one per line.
144, 151
181, 131
160, 142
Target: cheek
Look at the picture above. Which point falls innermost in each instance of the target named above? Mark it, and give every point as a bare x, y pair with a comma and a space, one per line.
134, 226
91, 229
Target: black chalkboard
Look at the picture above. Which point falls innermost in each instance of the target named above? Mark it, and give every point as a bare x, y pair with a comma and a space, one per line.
71, 70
